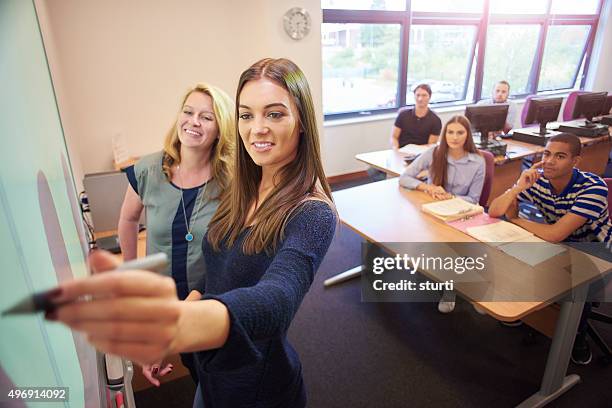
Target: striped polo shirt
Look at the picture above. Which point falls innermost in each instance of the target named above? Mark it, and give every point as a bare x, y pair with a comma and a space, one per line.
586, 195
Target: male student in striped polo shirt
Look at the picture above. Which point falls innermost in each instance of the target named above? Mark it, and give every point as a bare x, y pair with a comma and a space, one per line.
574, 204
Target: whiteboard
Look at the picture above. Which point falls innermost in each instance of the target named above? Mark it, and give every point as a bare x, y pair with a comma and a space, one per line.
41, 235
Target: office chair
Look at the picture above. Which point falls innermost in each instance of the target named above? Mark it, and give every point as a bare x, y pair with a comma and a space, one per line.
488, 181
594, 315
568, 109
526, 109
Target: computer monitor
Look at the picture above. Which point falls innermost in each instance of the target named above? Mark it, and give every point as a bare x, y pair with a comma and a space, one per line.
542, 111
487, 118
105, 193
588, 105
607, 106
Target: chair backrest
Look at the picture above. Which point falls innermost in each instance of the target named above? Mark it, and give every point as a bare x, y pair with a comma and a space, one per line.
488, 181
525, 110
569, 104
609, 184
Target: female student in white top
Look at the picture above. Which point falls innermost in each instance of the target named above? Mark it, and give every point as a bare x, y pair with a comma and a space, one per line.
455, 168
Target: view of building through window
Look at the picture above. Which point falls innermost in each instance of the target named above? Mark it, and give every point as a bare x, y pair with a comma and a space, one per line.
360, 66
376, 51
439, 56
565, 46
509, 55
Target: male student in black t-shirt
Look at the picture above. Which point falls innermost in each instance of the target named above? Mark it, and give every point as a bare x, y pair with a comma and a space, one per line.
418, 125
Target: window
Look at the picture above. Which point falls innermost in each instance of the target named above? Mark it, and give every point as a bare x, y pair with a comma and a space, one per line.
364, 4
518, 6
360, 66
376, 51
456, 6
439, 56
562, 56
509, 56
573, 7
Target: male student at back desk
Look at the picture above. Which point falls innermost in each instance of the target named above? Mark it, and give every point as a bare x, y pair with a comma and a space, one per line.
574, 204
501, 91
419, 125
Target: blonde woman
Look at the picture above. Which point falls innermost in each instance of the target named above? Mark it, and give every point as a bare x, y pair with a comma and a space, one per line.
179, 187
262, 249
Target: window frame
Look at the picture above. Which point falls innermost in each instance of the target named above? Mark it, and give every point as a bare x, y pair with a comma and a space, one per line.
482, 21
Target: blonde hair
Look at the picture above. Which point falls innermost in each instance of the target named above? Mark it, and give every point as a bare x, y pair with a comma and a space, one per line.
223, 148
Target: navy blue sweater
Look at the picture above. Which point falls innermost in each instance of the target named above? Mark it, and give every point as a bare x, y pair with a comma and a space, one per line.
257, 367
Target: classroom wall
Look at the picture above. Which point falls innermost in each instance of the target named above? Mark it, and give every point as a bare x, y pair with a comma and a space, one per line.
599, 76
121, 67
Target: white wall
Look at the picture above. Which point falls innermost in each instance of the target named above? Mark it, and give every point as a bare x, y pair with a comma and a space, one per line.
121, 66
599, 78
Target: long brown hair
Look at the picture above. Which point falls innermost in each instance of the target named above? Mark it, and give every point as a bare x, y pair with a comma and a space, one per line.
223, 147
301, 179
439, 163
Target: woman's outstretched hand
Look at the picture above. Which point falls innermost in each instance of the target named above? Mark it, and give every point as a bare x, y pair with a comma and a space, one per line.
132, 314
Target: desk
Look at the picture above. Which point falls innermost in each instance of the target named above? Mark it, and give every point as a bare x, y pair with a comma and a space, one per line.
372, 211
595, 153
141, 244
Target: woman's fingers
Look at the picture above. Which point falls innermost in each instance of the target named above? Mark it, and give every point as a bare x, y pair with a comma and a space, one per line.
100, 261
151, 372
166, 370
141, 353
150, 333
118, 284
193, 295
135, 309
148, 374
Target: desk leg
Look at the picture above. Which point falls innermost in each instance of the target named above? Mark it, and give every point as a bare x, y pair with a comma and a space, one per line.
344, 276
555, 381
350, 274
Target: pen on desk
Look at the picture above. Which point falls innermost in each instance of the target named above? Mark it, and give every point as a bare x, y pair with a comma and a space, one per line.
43, 301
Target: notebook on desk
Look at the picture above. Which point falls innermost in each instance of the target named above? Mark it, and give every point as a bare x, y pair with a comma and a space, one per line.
515, 241
452, 209
412, 151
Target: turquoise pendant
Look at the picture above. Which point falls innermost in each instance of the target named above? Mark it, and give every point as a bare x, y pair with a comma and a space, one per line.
189, 237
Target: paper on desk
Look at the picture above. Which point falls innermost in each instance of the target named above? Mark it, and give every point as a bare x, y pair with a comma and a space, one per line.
475, 221
499, 233
448, 208
532, 250
413, 150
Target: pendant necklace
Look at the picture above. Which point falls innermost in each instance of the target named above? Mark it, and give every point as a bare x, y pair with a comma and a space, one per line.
189, 235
